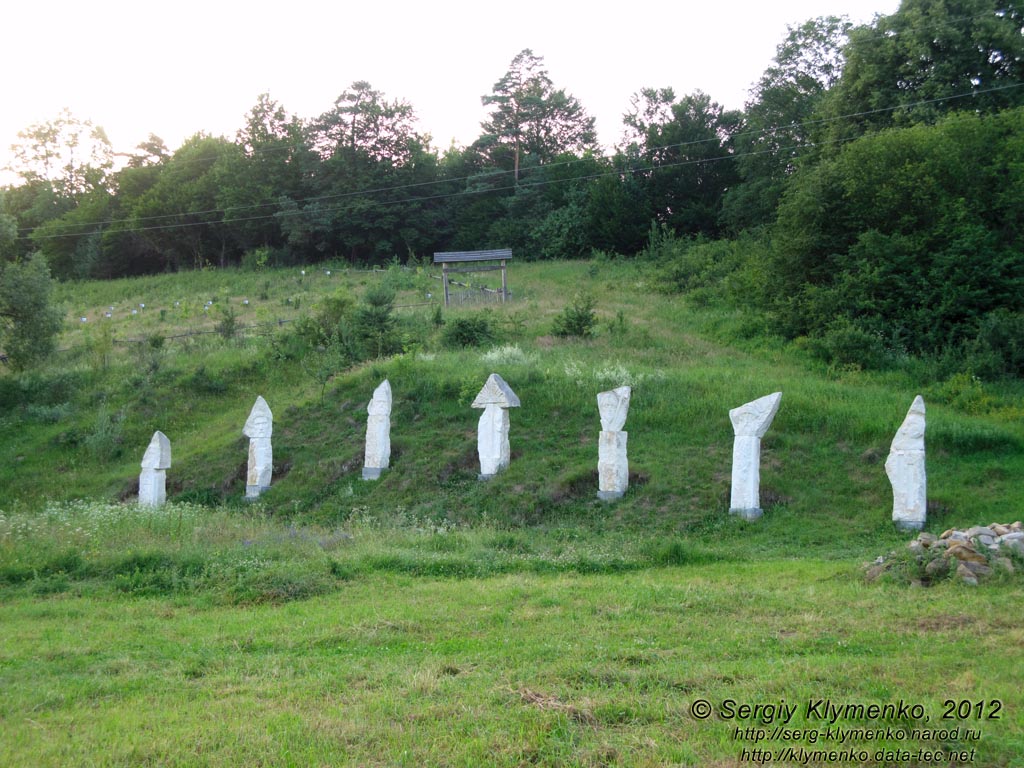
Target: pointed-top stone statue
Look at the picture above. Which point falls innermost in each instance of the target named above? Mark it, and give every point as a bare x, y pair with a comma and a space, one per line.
906, 470
158, 454
260, 422
496, 392
495, 398
612, 461
258, 428
153, 478
749, 423
378, 432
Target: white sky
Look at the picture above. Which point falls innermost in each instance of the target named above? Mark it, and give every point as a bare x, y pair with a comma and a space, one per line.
174, 69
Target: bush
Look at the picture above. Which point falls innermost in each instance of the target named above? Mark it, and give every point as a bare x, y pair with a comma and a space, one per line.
998, 348
468, 332
846, 343
375, 324
577, 319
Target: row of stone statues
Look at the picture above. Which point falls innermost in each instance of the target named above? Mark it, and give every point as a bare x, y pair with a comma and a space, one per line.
905, 466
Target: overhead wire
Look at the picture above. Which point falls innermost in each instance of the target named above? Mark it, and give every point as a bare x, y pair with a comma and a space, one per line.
95, 227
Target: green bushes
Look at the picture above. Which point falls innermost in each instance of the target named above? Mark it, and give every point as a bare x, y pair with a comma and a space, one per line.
469, 331
902, 236
578, 318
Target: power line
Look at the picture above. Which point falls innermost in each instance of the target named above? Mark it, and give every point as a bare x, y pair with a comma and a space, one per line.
95, 228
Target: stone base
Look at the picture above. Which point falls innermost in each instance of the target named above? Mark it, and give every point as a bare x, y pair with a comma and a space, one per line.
747, 514
252, 492
372, 473
484, 477
908, 525
610, 495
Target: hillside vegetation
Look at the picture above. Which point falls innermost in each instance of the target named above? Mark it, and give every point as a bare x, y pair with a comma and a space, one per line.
77, 427
429, 618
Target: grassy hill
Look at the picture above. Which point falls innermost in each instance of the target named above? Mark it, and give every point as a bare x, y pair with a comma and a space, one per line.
413, 586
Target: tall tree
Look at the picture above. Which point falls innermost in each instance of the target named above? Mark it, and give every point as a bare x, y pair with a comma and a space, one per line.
373, 161
29, 321
530, 116
72, 156
928, 58
782, 118
684, 152
272, 167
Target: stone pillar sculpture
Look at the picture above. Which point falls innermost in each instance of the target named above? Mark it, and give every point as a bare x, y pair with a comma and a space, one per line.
905, 468
495, 398
153, 478
612, 462
378, 432
258, 428
749, 423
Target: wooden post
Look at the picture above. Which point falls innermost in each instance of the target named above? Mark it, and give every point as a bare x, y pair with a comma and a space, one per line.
444, 277
504, 282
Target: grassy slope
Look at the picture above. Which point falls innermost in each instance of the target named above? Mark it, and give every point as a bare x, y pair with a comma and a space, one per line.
521, 667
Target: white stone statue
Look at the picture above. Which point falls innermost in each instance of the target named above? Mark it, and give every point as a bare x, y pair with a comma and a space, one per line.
153, 478
612, 462
906, 471
495, 398
378, 432
749, 423
258, 428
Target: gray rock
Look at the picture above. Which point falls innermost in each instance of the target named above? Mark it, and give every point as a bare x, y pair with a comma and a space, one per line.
966, 575
978, 569
937, 568
1005, 564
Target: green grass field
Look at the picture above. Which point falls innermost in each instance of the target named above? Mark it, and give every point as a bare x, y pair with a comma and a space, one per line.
430, 619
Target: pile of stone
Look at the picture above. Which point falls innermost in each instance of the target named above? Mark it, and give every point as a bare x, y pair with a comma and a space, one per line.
968, 555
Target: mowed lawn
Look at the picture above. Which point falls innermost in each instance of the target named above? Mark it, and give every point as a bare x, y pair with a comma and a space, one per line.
522, 669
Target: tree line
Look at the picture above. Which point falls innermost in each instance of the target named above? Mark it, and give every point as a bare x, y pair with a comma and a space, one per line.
879, 166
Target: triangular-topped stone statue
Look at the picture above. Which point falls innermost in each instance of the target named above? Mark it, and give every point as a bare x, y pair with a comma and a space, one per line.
749, 423
378, 432
612, 461
495, 398
153, 478
258, 428
905, 468
496, 392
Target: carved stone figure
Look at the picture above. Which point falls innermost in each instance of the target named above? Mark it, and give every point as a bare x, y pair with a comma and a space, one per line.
906, 470
378, 432
612, 461
495, 398
258, 428
153, 478
749, 423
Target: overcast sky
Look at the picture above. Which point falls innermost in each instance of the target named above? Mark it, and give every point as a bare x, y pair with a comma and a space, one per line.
174, 69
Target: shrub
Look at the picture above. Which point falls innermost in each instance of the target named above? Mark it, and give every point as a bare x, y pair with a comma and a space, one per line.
375, 324
578, 318
468, 332
846, 343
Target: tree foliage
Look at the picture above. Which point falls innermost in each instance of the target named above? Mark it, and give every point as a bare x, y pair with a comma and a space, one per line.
28, 320
928, 58
530, 117
913, 235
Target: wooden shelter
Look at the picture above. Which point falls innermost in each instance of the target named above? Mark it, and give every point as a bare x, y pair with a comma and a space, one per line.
480, 263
